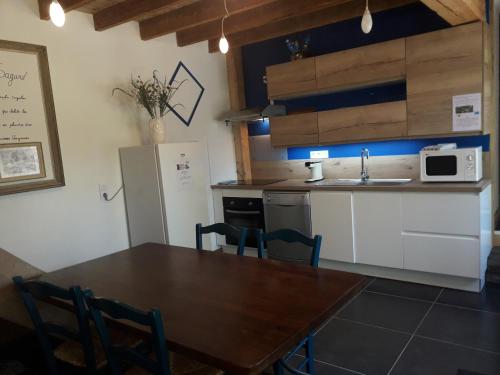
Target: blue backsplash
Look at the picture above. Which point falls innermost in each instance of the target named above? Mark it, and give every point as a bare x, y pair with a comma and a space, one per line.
385, 148
391, 24
380, 148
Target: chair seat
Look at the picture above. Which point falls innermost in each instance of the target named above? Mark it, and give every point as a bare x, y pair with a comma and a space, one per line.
180, 365
71, 352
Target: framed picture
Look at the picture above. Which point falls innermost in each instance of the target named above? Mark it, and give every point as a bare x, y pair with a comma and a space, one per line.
30, 155
189, 94
21, 161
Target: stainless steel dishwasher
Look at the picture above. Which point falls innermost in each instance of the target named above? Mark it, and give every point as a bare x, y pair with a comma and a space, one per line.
288, 210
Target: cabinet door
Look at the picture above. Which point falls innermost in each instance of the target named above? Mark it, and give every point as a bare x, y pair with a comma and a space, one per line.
377, 228
291, 79
449, 255
377, 121
363, 66
294, 130
444, 213
331, 216
440, 65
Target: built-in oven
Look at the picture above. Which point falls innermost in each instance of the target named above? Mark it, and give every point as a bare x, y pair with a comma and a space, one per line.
244, 213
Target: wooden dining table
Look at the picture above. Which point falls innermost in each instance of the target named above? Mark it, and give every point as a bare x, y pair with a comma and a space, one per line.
238, 314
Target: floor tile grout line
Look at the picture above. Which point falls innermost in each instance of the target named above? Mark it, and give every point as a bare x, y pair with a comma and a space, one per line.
467, 308
416, 335
373, 326
397, 296
456, 344
340, 367
333, 365
410, 333
414, 332
370, 283
343, 307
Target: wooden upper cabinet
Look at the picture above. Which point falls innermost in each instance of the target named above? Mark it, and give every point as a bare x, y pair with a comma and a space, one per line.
363, 66
294, 130
291, 79
440, 65
370, 122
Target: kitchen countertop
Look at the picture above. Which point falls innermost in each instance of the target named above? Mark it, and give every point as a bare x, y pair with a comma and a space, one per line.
415, 185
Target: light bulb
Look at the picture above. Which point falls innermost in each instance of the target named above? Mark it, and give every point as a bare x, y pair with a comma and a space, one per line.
57, 15
223, 44
367, 21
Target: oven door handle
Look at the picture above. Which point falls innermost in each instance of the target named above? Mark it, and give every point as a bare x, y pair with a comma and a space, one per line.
243, 212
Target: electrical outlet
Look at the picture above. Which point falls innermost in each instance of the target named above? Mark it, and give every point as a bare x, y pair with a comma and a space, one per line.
319, 154
103, 189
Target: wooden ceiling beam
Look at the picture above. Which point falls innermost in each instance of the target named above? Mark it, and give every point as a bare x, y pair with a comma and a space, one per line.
67, 5
457, 12
133, 10
326, 16
194, 14
251, 19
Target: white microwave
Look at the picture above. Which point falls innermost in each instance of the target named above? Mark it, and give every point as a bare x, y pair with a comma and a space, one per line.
455, 165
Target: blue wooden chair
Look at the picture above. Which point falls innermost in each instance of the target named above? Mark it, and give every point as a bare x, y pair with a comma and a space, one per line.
32, 291
290, 236
308, 361
223, 230
162, 363
293, 236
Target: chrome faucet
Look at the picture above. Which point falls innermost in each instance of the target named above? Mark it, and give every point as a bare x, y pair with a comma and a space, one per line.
365, 153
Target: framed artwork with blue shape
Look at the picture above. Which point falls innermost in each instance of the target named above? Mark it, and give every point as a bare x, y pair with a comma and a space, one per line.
188, 95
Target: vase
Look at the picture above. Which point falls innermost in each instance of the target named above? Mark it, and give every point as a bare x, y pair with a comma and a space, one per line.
156, 131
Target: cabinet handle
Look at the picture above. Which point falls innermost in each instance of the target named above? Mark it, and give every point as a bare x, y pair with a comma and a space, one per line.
243, 212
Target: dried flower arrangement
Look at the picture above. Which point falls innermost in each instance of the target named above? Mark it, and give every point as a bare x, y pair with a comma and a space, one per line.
153, 94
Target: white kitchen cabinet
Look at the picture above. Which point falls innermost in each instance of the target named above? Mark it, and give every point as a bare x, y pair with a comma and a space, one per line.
447, 233
331, 216
377, 228
446, 213
448, 255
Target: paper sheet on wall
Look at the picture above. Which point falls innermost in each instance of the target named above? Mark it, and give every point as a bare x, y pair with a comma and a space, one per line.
184, 174
467, 112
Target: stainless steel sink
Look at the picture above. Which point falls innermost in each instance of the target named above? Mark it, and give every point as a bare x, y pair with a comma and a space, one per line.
369, 182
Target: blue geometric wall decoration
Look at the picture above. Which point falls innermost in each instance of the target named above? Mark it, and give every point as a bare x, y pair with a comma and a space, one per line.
189, 94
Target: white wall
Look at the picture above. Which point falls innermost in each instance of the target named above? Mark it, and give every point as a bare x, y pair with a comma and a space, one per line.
59, 227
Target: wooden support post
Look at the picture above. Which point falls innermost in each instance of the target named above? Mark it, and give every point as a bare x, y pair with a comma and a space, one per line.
236, 86
490, 108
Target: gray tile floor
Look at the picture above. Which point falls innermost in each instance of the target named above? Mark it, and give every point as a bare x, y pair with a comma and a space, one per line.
399, 328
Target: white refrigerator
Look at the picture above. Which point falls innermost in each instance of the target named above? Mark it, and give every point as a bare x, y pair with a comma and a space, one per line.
167, 192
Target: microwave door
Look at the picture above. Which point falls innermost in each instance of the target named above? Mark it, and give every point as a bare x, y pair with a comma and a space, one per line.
441, 166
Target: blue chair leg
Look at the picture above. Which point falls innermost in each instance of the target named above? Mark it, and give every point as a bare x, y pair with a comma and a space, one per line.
277, 369
310, 355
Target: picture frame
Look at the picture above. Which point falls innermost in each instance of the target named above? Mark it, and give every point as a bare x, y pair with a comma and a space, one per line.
28, 118
21, 161
189, 94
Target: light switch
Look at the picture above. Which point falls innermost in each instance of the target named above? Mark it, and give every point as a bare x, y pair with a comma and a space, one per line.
319, 154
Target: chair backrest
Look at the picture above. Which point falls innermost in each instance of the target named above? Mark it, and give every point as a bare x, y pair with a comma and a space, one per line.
224, 230
290, 236
32, 291
117, 355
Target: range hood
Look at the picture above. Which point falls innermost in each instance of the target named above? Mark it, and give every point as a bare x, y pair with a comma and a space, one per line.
253, 114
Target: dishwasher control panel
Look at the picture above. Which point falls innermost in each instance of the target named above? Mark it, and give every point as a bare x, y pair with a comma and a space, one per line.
285, 198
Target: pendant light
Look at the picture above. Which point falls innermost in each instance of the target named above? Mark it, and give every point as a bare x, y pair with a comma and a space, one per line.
57, 15
367, 21
223, 43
